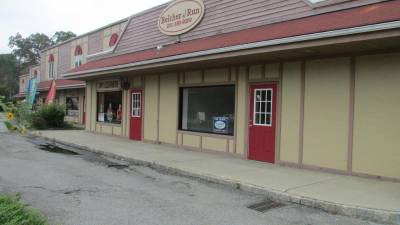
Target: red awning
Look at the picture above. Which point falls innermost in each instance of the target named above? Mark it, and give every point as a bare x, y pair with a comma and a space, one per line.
61, 84
355, 17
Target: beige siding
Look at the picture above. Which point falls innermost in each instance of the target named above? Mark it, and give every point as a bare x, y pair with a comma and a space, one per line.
106, 129
241, 119
193, 77
93, 106
216, 75
168, 108
126, 115
290, 117
215, 144
256, 72
377, 110
192, 141
89, 110
272, 70
326, 113
151, 108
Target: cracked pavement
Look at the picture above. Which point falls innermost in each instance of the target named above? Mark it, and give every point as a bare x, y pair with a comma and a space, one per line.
83, 190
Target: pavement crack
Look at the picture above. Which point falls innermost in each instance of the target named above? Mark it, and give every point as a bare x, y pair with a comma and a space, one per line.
72, 191
306, 185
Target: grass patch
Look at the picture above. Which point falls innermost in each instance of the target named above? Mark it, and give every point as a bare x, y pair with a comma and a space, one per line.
14, 212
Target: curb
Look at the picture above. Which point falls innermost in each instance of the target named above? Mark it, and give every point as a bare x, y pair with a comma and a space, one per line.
370, 214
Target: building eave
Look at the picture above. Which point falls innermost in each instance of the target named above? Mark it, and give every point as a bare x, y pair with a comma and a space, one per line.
241, 47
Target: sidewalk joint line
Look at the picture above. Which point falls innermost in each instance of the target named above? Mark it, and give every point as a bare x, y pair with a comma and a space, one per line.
310, 184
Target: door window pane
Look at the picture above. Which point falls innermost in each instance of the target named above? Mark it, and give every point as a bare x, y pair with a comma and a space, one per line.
136, 104
262, 107
208, 109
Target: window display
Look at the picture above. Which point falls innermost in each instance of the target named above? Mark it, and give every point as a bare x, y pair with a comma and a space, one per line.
109, 107
72, 106
208, 109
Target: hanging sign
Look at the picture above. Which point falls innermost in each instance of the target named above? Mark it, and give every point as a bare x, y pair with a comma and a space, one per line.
181, 16
109, 85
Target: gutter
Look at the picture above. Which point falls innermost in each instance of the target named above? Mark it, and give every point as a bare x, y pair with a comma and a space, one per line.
289, 40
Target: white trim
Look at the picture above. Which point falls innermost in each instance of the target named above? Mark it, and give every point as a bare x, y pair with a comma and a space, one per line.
139, 93
266, 103
300, 38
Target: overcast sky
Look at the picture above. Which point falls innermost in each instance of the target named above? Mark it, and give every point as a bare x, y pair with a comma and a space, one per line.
49, 16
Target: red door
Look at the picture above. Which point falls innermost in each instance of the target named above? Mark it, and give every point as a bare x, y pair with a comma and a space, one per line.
136, 115
262, 125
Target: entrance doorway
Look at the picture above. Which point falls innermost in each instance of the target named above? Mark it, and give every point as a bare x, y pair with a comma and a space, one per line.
136, 114
262, 125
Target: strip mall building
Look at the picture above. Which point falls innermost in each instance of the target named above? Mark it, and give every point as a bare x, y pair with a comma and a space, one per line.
309, 84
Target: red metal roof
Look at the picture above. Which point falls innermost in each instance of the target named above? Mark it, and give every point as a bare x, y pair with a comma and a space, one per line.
61, 83
355, 17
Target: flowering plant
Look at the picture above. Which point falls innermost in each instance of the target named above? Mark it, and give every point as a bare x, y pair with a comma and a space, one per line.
16, 116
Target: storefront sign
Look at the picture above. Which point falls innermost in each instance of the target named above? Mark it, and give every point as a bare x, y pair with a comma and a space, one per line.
221, 125
108, 85
181, 16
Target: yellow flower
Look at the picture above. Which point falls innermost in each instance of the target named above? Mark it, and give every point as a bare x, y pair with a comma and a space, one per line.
10, 116
22, 130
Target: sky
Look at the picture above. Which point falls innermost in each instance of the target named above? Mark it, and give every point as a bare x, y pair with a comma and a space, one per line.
49, 16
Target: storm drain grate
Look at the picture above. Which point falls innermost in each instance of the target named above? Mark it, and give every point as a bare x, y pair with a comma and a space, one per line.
265, 206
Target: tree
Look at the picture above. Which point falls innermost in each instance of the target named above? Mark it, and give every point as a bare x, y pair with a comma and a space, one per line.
8, 75
61, 36
27, 50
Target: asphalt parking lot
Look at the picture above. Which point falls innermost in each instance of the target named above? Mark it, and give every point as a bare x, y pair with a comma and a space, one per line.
83, 188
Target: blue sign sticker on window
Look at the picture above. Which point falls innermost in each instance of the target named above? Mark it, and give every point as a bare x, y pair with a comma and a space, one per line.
220, 125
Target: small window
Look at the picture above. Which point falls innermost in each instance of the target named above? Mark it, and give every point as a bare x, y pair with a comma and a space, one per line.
136, 104
109, 107
113, 40
208, 109
262, 107
72, 106
78, 56
51, 66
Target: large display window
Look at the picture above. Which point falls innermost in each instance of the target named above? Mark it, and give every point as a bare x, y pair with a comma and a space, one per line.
109, 107
72, 106
208, 109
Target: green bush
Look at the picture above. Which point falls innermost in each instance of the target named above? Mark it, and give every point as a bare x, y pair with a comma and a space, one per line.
49, 116
14, 212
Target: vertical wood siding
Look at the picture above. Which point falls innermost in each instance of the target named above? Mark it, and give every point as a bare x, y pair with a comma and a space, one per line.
96, 42
64, 63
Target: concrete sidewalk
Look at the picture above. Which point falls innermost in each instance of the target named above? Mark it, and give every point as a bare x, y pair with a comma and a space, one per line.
352, 196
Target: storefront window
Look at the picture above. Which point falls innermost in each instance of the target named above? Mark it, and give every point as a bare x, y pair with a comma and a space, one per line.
109, 107
208, 109
72, 106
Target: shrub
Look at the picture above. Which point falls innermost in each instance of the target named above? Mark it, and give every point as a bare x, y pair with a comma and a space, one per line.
14, 212
49, 116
